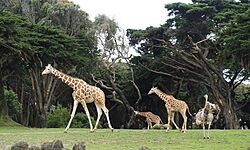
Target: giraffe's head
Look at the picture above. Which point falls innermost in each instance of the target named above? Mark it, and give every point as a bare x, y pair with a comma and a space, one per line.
136, 112
47, 70
152, 90
206, 97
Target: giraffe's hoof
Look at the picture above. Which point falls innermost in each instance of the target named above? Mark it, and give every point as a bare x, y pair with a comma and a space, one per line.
112, 129
208, 137
183, 131
65, 131
92, 130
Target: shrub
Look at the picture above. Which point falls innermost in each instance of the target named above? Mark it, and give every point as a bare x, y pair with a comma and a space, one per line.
14, 106
81, 121
60, 118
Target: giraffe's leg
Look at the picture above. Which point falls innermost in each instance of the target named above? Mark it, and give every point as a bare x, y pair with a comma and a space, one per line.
204, 130
208, 128
149, 123
72, 114
184, 125
99, 114
172, 119
169, 115
106, 112
88, 115
168, 124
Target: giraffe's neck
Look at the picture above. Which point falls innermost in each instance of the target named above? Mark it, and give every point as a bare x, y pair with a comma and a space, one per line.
71, 81
163, 96
144, 114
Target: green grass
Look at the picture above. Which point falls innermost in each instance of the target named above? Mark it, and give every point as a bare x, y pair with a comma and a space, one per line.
124, 139
7, 122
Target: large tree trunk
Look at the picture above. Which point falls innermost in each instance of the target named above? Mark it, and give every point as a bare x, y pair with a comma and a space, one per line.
230, 117
43, 90
222, 92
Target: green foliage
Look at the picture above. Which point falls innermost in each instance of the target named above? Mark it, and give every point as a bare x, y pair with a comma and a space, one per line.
14, 106
60, 118
81, 121
241, 92
233, 32
46, 43
34, 33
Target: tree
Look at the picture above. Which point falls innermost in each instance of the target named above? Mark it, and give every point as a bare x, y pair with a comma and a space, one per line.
114, 64
187, 48
36, 46
45, 16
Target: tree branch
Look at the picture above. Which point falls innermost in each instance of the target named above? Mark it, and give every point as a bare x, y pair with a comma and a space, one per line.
101, 83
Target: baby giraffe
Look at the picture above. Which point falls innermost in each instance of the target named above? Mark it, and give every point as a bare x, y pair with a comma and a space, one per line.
150, 118
82, 93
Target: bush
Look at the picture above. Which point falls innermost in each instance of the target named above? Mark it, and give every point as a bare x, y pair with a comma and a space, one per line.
81, 121
60, 118
14, 106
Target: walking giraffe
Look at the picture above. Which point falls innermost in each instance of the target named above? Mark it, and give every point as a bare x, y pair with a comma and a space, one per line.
172, 105
82, 93
150, 118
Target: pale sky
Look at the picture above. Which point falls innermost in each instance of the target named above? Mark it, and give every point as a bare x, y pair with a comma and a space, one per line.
135, 14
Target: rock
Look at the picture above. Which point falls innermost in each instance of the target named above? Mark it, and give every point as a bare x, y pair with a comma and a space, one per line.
79, 146
46, 146
20, 146
55, 145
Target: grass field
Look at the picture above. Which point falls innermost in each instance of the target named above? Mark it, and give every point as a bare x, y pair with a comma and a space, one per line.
124, 139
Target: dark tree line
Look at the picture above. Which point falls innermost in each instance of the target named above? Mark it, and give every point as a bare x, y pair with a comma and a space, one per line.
192, 53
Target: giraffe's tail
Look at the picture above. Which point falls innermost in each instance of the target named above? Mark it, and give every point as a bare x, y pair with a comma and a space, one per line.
189, 112
161, 121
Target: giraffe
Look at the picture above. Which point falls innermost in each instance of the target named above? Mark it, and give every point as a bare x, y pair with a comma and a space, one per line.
82, 93
172, 105
150, 117
205, 115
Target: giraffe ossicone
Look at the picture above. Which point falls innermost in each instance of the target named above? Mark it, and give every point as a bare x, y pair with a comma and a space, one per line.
82, 93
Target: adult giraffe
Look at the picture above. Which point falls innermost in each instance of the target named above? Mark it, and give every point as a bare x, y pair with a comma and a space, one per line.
82, 93
173, 105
